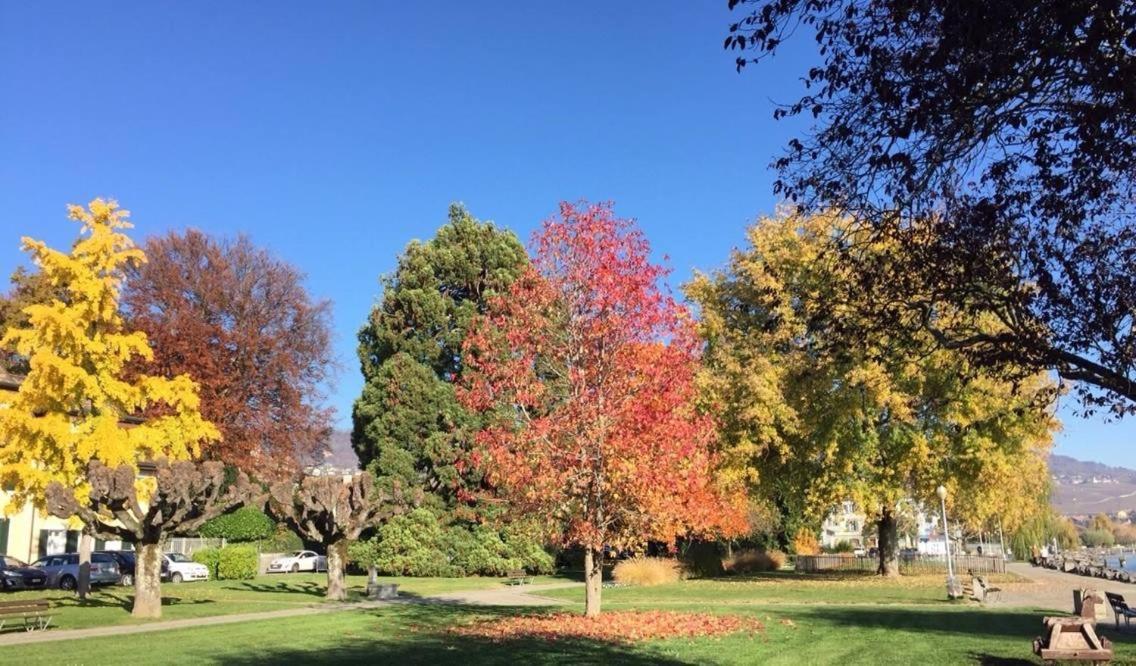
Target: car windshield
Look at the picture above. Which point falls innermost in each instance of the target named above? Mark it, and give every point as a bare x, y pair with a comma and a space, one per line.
102, 557
10, 563
297, 553
178, 557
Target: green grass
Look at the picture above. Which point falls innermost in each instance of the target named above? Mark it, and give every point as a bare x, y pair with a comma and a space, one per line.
815, 620
782, 587
110, 605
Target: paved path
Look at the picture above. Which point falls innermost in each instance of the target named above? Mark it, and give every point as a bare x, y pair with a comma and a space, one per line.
515, 595
509, 596
1051, 589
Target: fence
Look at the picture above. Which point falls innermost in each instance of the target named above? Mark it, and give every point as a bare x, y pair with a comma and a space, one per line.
190, 545
909, 564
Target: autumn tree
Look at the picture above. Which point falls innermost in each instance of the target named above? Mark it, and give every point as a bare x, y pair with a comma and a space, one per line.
239, 322
28, 288
178, 498
585, 374
810, 419
68, 409
332, 511
1011, 125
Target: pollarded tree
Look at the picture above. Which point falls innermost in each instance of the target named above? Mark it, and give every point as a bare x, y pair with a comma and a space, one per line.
179, 498
240, 322
585, 373
811, 417
78, 387
332, 511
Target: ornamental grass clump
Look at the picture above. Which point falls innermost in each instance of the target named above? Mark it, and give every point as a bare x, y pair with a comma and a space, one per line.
646, 571
751, 560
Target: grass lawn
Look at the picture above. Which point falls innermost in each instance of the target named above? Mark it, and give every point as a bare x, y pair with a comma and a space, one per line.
830, 620
109, 605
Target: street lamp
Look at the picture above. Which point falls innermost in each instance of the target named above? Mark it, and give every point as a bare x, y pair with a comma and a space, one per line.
952, 592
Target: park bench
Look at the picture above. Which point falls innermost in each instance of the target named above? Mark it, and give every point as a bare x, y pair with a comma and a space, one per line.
35, 613
983, 590
1121, 609
517, 577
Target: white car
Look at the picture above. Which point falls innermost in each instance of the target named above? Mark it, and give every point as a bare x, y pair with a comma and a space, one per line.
301, 560
184, 569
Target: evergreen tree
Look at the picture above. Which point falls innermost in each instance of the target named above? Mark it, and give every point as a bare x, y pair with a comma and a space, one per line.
409, 429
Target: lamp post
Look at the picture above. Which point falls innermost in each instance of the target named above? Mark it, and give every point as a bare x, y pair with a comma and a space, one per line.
941, 491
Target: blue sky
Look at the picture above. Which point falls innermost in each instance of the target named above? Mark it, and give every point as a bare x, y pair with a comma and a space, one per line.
334, 133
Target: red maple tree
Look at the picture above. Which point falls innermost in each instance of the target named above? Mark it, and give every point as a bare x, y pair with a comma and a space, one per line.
585, 372
241, 324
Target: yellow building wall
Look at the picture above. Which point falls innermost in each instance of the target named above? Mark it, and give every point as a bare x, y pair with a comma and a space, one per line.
24, 529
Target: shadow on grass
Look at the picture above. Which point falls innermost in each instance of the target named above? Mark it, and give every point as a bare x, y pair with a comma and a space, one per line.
1019, 624
284, 587
122, 600
418, 633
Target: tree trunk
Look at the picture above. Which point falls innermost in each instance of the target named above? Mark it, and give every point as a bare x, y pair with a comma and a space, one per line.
888, 544
148, 581
86, 545
336, 559
593, 581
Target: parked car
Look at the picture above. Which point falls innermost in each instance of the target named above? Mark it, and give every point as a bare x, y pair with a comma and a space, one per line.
301, 560
127, 563
15, 575
182, 568
63, 570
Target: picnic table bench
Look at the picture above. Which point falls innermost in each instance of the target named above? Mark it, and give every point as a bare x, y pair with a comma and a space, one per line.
1071, 639
1121, 609
518, 577
35, 613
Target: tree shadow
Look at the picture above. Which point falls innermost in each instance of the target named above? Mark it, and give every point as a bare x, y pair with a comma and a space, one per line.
295, 587
423, 638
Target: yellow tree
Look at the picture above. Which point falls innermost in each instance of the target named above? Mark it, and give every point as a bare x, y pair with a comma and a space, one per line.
811, 416
70, 405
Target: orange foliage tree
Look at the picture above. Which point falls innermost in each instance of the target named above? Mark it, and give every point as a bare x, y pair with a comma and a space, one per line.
584, 374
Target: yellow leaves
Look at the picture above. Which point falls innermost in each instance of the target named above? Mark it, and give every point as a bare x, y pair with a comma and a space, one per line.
68, 409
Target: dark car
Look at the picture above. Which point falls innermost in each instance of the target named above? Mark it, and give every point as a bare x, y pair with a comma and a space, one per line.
127, 563
15, 575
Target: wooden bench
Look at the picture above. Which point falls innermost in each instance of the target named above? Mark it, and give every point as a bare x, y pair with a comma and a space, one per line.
35, 613
517, 577
1071, 639
984, 590
1121, 609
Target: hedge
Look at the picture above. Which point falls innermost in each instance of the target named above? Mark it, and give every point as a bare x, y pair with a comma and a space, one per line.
230, 563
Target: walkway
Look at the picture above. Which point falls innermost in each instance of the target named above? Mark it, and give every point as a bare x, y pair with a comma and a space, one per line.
510, 596
1051, 589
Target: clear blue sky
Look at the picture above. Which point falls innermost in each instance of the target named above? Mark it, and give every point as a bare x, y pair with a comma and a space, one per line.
334, 133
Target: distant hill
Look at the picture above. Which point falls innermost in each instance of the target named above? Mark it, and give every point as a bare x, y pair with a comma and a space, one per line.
1081, 487
339, 453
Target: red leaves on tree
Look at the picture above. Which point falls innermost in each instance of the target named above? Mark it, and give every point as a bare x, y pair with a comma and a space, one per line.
241, 324
586, 371
618, 627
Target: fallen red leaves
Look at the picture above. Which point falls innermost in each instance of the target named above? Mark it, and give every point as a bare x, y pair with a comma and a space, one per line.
613, 627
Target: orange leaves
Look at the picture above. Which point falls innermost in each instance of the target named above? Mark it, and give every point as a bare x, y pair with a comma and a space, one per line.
585, 372
613, 627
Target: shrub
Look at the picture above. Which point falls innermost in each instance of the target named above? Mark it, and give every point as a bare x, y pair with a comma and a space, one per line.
645, 571
412, 544
752, 560
841, 548
238, 563
703, 559
282, 540
805, 543
1095, 538
1125, 534
245, 524
210, 557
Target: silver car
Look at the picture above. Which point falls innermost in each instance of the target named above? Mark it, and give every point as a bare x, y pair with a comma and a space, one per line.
63, 570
